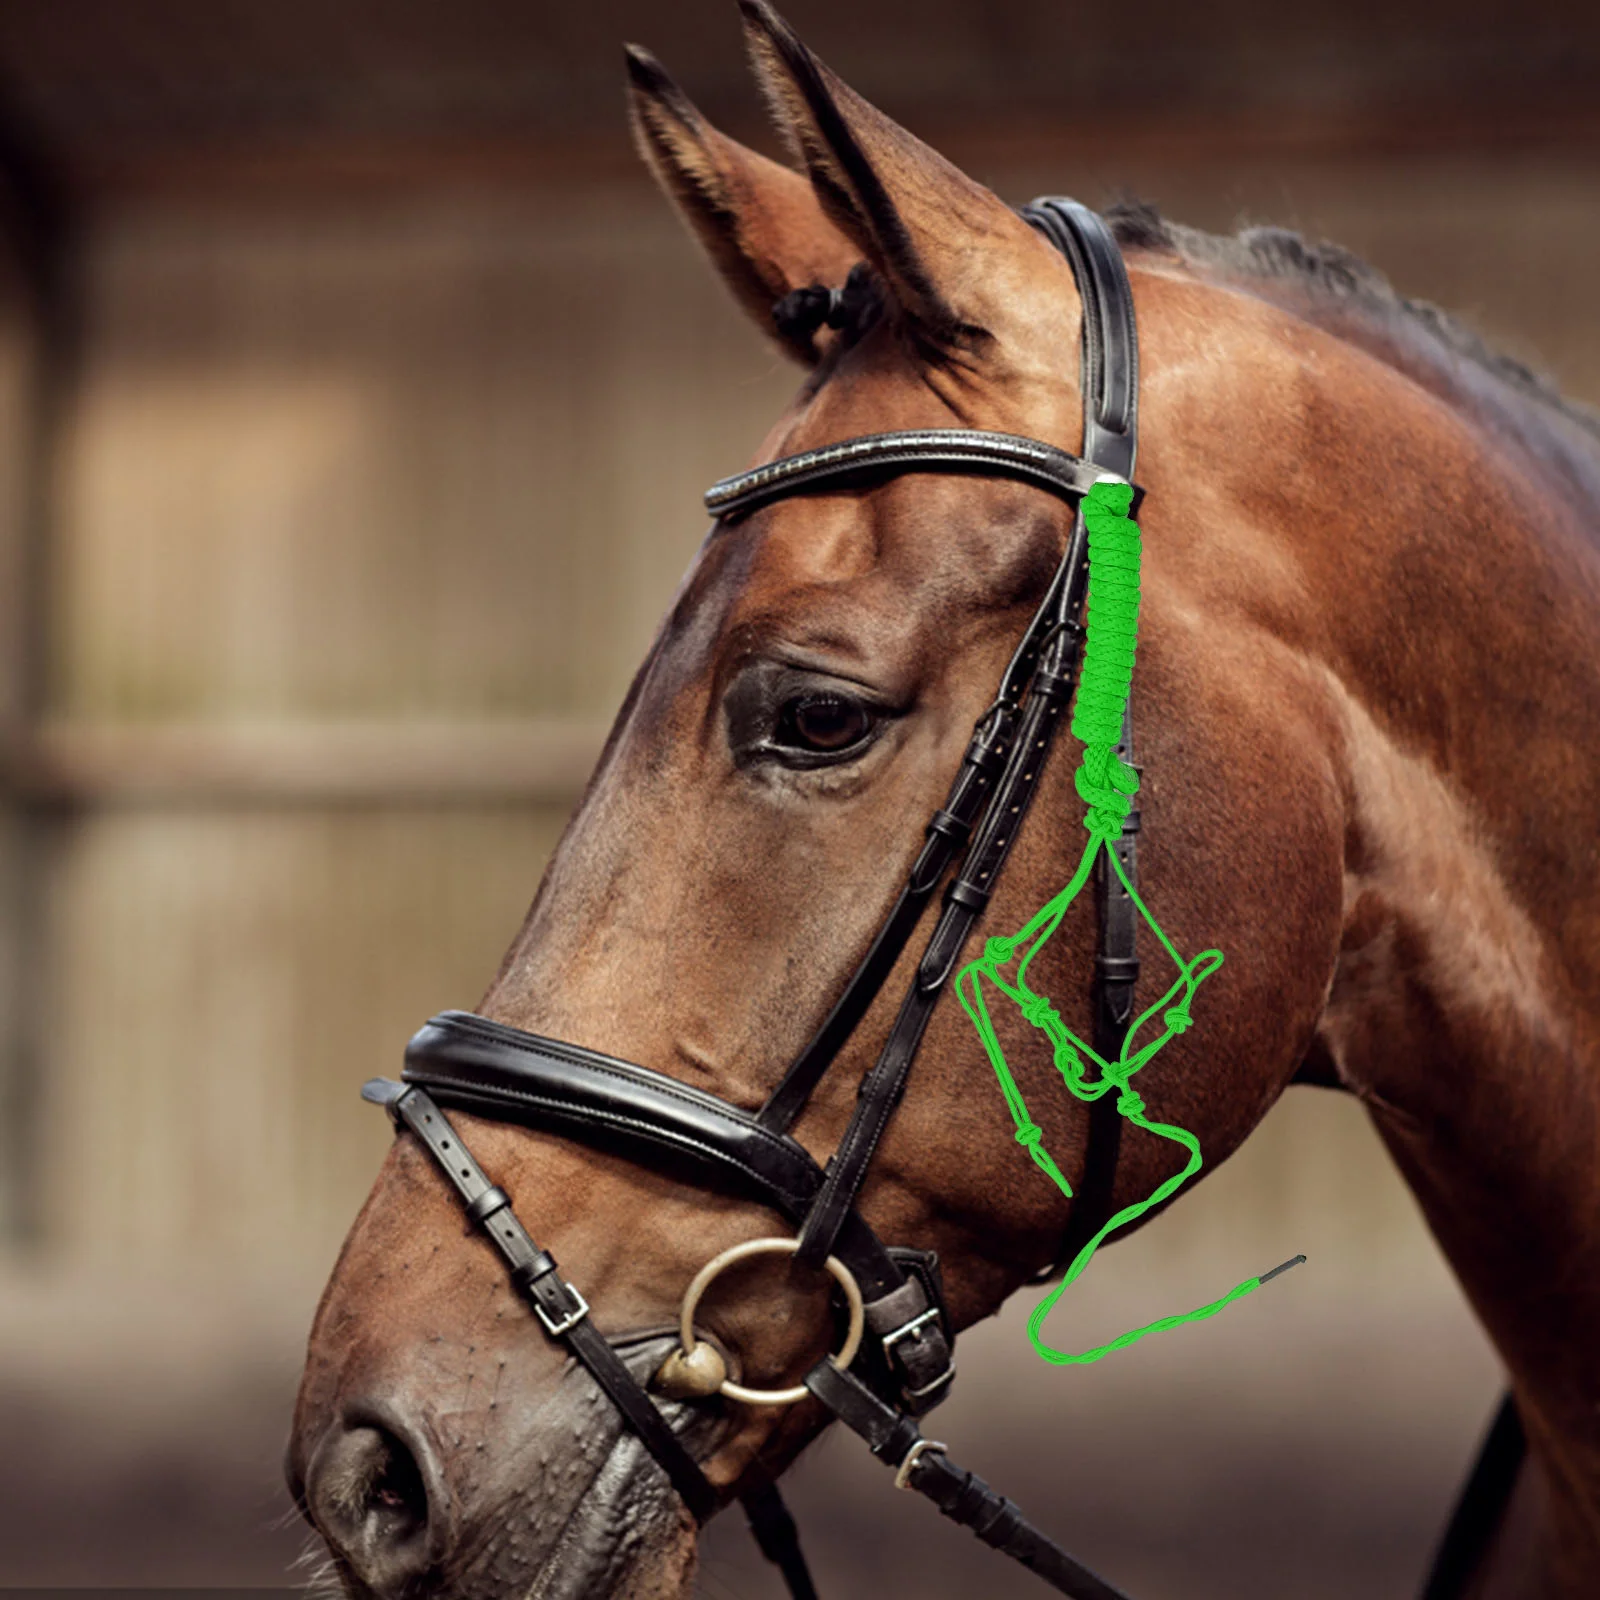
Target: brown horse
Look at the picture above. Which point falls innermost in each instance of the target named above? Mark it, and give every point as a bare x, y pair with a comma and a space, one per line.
1369, 695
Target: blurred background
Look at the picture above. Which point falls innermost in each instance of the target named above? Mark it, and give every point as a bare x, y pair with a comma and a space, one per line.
356, 395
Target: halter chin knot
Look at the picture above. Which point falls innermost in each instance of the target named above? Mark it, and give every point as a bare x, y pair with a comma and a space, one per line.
1104, 823
1069, 1062
1107, 806
1038, 1010
1029, 1135
1116, 498
1178, 1019
1129, 1104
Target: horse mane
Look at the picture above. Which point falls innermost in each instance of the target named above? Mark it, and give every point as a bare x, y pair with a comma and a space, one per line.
1329, 286
1316, 276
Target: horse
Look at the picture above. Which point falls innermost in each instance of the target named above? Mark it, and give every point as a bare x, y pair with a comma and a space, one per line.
1368, 690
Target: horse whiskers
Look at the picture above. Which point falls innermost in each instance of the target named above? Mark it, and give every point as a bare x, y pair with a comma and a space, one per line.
321, 1579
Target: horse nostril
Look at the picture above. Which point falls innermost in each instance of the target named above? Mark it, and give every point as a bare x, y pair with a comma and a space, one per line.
395, 1493
398, 1491
369, 1493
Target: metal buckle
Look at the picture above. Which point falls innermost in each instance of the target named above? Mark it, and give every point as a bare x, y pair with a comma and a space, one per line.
902, 1476
557, 1329
906, 1329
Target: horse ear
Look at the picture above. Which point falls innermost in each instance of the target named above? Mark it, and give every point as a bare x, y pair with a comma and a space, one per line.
760, 223
928, 229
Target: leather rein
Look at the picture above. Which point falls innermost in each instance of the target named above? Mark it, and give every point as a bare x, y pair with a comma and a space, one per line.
904, 1364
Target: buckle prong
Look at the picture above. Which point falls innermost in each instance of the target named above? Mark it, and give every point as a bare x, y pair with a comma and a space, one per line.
902, 1476
568, 1322
906, 1329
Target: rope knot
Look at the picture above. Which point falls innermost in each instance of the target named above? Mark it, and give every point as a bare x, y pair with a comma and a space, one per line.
1029, 1135
998, 950
1107, 806
1037, 1009
1177, 1018
1130, 1104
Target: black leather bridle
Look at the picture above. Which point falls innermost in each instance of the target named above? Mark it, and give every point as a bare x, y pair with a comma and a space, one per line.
905, 1366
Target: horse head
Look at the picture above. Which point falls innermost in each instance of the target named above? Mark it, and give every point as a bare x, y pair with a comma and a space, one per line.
757, 807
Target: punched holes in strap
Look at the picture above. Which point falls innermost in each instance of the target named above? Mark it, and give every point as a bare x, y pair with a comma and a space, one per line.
557, 1304
561, 1309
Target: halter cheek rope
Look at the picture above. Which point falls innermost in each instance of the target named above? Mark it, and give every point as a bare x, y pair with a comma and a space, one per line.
1106, 783
903, 1367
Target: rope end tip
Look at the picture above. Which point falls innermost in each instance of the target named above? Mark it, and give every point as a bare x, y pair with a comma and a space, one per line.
1278, 1271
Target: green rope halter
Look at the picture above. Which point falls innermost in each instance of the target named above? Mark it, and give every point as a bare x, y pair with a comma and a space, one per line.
1107, 784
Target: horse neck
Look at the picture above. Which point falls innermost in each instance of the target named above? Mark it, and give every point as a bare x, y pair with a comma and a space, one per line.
1465, 1005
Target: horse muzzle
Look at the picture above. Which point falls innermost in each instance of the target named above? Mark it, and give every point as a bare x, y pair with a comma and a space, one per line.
375, 1490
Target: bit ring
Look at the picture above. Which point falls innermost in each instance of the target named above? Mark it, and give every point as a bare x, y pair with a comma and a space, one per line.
703, 1279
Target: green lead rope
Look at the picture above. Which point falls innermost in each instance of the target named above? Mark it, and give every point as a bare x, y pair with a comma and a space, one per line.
1107, 784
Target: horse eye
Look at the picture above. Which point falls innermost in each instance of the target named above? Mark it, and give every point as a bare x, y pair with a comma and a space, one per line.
823, 722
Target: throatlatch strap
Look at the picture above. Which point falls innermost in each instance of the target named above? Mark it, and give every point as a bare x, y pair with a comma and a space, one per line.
1116, 974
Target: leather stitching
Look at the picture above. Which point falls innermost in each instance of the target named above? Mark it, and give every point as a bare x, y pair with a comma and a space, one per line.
653, 1132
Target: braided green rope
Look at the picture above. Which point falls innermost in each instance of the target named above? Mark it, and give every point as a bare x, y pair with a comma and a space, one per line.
1106, 783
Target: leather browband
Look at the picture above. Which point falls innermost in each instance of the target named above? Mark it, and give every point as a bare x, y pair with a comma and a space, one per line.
972, 450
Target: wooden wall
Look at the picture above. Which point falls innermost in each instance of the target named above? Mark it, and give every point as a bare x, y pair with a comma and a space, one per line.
21, 397
389, 499
361, 513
